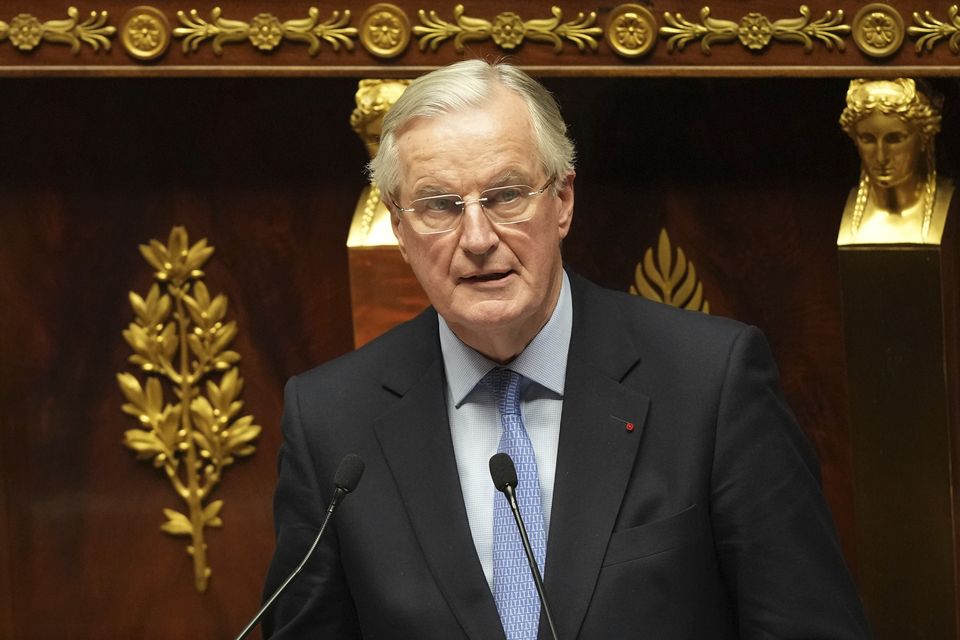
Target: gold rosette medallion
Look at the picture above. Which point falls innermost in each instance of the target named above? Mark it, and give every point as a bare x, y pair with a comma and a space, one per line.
878, 30
631, 30
145, 33
385, 30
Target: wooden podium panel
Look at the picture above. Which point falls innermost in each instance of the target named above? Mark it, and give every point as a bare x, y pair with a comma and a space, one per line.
900, 395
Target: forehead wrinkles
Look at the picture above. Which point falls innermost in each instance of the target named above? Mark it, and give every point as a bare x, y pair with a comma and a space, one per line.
451, 169
434, 186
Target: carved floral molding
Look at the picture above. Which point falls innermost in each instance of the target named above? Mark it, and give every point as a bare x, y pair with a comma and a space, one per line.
26, 32
384, 30
930, 31
265, 31
507, 30
755, 31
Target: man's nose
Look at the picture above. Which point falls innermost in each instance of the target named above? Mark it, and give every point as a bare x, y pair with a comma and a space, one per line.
478, 234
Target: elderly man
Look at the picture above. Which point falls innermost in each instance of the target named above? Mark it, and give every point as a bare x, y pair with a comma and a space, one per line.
666, 488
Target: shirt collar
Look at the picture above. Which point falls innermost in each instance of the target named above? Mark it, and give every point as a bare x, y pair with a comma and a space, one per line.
543, 361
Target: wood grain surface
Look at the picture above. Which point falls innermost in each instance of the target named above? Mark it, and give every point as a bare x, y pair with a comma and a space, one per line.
749, 177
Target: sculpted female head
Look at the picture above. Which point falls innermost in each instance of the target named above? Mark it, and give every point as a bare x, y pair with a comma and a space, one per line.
893, 124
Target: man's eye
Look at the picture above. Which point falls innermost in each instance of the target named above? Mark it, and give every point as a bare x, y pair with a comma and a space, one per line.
505, 196
440, 205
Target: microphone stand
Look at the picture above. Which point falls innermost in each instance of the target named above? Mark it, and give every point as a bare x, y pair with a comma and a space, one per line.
537, 578
337, 496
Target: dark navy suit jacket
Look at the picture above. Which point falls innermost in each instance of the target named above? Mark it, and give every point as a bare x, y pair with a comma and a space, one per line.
706, 520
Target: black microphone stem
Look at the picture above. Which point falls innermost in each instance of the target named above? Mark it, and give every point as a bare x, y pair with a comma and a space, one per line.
337, 496
537, 578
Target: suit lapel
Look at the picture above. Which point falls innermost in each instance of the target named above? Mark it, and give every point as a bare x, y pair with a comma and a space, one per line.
600, 433
415, 439
594, 464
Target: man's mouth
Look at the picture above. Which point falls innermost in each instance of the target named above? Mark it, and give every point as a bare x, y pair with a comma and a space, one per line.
487, 277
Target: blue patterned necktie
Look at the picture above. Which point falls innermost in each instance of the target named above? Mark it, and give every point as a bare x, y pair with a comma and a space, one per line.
513, 588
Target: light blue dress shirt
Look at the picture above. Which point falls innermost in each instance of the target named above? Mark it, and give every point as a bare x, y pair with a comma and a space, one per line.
475, 423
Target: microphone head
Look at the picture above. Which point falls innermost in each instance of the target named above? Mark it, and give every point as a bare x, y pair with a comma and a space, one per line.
502, 471
349, 472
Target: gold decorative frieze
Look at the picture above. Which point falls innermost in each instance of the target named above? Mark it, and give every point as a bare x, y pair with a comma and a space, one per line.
668, 281
929, 31
878, 30
755, 31
26, 32
508, 30
145, 33
385, 30
180, 339
265, 31
631, 30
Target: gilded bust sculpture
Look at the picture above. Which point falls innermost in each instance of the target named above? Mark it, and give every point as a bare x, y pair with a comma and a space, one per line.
899, 199
371, 219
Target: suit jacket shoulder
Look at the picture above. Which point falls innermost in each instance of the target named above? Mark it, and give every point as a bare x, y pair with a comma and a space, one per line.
390, 358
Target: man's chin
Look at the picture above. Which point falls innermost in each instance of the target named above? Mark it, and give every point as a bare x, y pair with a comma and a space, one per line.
491, 315
484, 314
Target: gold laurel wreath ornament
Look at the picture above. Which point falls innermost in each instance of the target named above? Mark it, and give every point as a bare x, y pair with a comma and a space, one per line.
179, 339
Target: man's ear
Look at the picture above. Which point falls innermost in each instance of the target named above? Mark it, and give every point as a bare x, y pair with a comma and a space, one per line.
398, 229
565, 213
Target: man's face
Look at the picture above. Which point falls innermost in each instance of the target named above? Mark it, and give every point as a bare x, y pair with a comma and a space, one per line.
889, 148
483, 277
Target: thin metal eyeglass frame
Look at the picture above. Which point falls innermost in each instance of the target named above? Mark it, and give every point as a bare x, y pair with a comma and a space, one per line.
462, 204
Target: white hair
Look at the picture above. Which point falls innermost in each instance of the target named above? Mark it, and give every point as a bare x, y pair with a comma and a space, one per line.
469, 84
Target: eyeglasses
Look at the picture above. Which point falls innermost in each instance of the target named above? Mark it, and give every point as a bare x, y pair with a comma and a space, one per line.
443, 213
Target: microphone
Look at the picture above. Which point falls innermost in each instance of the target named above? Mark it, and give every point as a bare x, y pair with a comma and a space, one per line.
348, 475
345, 479
504, 475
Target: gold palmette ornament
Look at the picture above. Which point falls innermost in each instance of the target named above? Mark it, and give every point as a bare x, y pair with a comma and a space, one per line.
929, 31
668, 281
265, 31
180, 341
508, 30
26, 32
755, 31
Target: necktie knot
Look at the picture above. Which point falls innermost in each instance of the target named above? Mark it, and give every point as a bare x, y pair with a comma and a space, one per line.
506, 385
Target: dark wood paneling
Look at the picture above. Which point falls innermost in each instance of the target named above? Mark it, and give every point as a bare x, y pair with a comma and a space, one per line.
749, 177
263, 169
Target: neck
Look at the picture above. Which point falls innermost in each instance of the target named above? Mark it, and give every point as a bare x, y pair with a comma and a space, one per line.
900, 199
504, 343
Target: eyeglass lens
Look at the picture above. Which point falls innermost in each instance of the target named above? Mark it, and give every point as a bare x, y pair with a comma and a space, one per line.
504, 205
